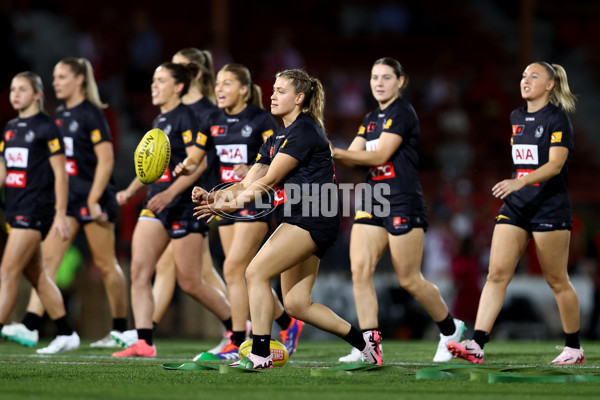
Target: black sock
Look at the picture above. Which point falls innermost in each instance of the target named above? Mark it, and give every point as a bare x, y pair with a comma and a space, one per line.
447, 326
238, 337
1, 326
481, 338
63, 326
120, 324
284, 321
261, 345
370, 329
228, 324
355, 338
32, 321
145, 334
154, 325
572, 340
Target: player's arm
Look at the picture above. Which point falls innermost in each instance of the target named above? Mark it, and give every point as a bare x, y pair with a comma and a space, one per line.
123, 196
387, 146
358, 144
104, 167
260, 179
2, 172
61, 193
556, 160
195, 155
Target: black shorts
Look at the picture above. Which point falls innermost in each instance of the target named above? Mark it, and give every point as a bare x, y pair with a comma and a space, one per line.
178, 221
78, 208
400, 220
511, 215
26, 222
250, 213
323, 231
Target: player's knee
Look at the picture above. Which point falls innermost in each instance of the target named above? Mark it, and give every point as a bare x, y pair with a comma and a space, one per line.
361, 273
295, 306
498, 276
557, 282
410, 283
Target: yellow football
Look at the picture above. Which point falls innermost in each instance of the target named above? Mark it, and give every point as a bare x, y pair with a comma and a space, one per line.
152, 156
278, 351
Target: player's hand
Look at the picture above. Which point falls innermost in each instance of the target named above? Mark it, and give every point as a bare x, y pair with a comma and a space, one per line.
160, 201
60, 227
241, 170
123, 197
506, 187
183, 169
199, 194
96, 212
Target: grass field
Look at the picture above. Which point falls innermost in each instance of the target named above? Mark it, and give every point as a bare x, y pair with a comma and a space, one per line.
89, 373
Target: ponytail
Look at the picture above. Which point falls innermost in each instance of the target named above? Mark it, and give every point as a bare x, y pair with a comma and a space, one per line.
560, 95
314, 94
203, 60
181, 74
254, 94
81, 66
36, 83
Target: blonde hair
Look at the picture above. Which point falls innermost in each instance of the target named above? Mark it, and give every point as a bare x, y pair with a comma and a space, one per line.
203, 60
314, 94
81, 66
254, 94
36, 83
560, 95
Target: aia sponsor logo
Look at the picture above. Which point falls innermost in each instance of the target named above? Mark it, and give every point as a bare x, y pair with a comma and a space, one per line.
385, 171
16, 157
233, 153
525, 154
228, 175
517, 130
372, 145
16, 179
218, 130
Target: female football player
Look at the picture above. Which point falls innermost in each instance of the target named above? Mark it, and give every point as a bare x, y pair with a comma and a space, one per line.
92, 204
388, 143
237, 131
32, 169
296, 158
167, 216
536, 205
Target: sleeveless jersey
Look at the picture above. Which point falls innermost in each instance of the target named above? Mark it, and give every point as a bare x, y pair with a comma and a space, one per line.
26, 146
181, 126
400, 171
237, 138
533, 134
82, 128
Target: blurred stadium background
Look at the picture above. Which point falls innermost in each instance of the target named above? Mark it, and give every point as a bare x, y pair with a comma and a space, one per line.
464, 60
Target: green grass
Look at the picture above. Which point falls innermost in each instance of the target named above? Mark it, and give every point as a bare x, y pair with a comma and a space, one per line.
92, 374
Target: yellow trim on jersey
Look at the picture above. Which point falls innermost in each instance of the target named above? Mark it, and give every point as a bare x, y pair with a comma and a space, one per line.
388, 123
187, 136
556, 137
266, 134
7, 224
2, 145
147, 213
284, 143
258, 157
362, 214
53, 145
500, 217
361, 130
201, 139
95, 136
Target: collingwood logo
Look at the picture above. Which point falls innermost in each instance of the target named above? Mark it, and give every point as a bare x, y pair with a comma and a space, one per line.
539, 131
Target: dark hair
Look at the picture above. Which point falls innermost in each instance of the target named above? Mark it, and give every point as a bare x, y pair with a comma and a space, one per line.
254, 94
81, 66
36, 83
182, 74
397, 67
203, 60
314, 94
560, 95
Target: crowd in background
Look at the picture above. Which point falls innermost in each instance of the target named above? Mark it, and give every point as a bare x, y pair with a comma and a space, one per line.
462, 69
